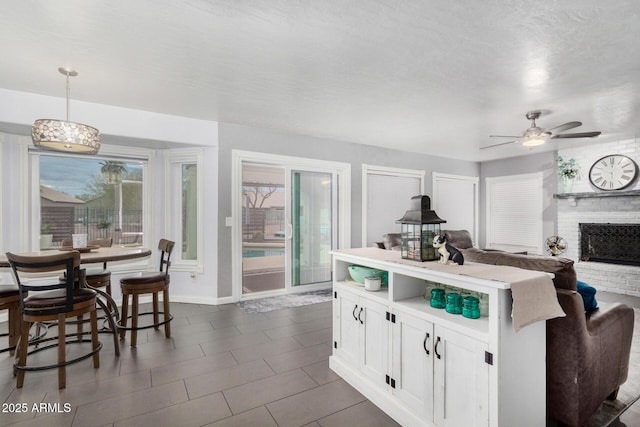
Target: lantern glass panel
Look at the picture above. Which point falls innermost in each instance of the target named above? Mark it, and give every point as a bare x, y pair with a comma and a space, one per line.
429, 253
417, 241
411, 241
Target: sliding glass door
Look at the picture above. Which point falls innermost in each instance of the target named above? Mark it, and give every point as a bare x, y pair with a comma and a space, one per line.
263, 227
288, 226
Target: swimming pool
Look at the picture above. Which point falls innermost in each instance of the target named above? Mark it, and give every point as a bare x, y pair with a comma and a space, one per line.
260, 252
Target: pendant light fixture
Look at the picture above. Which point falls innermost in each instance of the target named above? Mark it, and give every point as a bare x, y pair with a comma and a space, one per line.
67, 136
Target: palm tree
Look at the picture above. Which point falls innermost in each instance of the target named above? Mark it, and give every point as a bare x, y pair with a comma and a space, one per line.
115, 170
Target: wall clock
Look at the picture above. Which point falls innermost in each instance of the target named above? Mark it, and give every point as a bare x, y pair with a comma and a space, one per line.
613, 172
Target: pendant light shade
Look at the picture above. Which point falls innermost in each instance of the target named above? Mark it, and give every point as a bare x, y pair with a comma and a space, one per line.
67, 136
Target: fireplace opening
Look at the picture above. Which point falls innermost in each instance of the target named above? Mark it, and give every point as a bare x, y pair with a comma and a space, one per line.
610, 243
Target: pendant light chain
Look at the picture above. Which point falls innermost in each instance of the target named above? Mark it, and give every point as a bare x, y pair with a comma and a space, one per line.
68, 96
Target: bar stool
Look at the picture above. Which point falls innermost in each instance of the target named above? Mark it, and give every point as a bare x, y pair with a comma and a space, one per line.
98, 278
54, 301
10, 300
147, 283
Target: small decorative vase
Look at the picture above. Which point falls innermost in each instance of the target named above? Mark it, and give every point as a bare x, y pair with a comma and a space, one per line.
567, 185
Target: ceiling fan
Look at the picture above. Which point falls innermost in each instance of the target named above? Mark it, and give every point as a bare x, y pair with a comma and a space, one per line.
538, 136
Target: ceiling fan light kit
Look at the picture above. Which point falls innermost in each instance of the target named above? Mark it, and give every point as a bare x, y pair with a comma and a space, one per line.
67, 136
535, 136
533, 141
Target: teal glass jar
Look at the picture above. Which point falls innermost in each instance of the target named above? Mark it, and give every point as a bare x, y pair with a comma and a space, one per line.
454, 303
470, 307
437, 298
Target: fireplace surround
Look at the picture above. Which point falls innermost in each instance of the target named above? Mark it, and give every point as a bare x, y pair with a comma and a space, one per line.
610, 243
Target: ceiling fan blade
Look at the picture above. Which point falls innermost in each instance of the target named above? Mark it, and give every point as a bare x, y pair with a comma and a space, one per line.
565, 126
497, 145
577, 135
505, 136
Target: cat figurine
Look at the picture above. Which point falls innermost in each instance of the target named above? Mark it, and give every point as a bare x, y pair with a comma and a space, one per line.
447, 252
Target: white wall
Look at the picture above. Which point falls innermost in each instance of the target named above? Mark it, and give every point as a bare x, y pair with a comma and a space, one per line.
275, 142
123, 126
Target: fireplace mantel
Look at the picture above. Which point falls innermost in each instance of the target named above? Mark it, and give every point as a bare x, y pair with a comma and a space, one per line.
573, 197
594, 195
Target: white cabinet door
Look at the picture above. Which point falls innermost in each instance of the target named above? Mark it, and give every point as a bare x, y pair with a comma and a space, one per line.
347, 327
461, 380
362, 334
412, 356
374, 334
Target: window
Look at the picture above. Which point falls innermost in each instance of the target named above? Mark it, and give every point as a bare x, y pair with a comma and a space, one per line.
98, 196
386, 194
514, 213
184, 207
455, 199
106, 195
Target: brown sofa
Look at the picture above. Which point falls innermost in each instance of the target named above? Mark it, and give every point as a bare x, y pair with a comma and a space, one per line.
587, 354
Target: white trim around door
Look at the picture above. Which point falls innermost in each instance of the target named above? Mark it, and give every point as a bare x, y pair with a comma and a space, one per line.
341, 170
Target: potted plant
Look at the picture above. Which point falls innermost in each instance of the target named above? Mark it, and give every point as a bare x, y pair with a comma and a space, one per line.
103, 224
568, 171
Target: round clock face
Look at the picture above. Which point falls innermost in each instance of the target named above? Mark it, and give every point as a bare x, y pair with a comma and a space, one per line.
613, 172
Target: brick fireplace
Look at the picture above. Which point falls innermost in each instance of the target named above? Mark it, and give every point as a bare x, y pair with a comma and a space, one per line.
592, 207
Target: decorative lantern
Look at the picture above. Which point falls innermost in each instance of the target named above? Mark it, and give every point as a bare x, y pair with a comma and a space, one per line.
418, 227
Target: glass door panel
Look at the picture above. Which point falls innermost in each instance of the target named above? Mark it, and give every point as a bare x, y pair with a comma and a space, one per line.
312, 227
263, 228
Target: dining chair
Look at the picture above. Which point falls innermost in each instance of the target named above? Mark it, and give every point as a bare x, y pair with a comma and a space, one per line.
147, 283
47, 300
10, 300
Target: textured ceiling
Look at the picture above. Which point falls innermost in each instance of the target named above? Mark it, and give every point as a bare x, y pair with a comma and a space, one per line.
424, 76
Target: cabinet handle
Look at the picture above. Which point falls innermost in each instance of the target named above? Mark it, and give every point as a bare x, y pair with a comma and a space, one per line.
424, 343
354, 312
360, 314
435, 349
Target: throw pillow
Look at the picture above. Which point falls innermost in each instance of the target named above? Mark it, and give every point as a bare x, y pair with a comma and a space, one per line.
391, 240
588, 294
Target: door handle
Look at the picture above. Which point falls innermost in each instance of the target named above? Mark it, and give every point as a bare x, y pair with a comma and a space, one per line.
360, 314
435, 349
289, 232
424, 343
353, 313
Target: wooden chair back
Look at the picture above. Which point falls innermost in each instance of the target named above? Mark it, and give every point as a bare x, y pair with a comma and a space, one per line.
69, 262
165, 247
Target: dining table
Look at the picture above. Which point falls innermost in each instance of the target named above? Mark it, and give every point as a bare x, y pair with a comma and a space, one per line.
92, 255
97, 255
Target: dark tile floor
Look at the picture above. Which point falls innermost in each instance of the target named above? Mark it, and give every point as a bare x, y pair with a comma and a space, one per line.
222, 367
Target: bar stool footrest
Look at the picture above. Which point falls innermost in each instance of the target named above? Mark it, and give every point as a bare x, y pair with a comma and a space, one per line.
58, 365
154, 325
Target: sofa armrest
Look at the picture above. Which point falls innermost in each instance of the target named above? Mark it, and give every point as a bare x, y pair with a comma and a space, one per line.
587, 357
379, 245
602, 318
